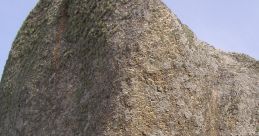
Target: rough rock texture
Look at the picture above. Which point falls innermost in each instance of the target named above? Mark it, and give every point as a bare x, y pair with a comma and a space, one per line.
122, 68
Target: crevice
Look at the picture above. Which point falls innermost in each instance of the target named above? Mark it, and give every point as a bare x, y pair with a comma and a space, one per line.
61, 26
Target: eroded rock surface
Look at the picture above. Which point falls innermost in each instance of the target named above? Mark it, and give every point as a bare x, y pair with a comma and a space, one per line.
122, 68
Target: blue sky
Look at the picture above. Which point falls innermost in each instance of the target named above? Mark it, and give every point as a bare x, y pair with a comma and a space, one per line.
231, 25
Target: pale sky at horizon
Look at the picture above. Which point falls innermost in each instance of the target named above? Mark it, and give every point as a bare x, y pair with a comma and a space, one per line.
229, 25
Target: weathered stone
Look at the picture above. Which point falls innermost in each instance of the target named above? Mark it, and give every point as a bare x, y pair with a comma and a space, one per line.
125, 67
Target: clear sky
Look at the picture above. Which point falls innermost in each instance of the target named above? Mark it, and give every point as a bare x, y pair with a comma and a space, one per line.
231, 25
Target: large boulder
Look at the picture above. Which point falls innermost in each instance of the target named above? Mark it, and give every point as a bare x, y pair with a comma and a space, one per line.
122, 68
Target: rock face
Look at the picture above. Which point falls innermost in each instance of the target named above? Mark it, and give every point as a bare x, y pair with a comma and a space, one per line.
122, 68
